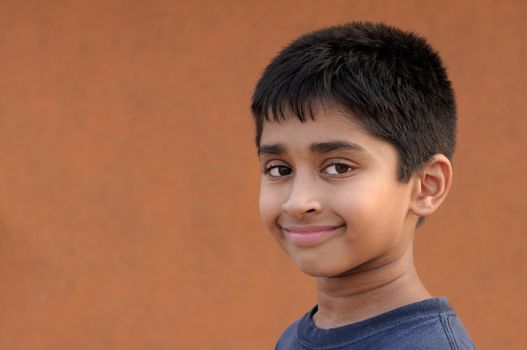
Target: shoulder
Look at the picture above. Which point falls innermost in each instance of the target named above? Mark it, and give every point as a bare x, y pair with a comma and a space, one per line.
432, 325
291, 338
456, 333
441, 332
288, 338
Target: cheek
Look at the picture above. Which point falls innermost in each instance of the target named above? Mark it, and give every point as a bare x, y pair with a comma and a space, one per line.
367, 204
270, 205
351, 199
384, 209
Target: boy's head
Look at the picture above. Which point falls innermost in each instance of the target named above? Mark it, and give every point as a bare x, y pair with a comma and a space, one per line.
354, 128
392, 82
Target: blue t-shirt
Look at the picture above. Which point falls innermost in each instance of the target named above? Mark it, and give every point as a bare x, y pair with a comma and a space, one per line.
430, 324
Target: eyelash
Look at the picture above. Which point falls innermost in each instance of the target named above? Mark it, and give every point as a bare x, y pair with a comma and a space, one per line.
269, 168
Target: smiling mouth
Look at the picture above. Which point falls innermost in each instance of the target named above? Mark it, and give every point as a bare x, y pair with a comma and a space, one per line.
304, 236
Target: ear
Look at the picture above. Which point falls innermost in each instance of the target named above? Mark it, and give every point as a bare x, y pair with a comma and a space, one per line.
432, 184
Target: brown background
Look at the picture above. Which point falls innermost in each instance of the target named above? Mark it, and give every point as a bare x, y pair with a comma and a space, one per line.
129, 181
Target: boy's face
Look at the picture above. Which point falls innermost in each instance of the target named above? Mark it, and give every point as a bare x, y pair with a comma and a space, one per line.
330, 195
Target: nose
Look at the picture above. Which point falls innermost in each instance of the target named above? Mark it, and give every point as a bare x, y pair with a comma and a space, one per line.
303, 198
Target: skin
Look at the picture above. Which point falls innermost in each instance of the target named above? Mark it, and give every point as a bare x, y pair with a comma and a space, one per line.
331, 199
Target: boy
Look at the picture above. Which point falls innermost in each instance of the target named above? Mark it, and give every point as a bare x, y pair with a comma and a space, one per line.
355, 129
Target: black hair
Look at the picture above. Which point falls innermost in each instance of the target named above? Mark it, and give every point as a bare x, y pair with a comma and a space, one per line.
391, 81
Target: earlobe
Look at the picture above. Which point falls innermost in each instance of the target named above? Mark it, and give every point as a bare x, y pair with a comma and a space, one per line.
432, 184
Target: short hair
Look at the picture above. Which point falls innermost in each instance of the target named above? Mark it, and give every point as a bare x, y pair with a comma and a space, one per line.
391, 81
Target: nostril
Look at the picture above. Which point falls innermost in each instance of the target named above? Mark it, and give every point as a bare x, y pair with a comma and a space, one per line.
301, 209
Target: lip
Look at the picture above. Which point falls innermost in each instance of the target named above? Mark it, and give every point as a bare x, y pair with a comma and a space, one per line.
304, 236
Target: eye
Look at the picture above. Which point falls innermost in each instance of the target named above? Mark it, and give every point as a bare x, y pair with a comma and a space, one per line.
277, 171
338, 169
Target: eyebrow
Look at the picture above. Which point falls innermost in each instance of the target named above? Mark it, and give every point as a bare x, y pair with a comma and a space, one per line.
318, 147
325, 147
275, 149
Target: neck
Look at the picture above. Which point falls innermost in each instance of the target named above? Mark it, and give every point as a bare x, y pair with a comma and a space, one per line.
371, 291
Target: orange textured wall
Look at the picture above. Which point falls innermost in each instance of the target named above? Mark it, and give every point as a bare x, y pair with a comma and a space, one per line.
129, 181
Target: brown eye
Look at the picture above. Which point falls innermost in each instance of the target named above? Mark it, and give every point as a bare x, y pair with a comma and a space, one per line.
338, 169
278, 171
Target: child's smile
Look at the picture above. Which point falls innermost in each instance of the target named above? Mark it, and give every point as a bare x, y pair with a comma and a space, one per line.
330, 195
308, 235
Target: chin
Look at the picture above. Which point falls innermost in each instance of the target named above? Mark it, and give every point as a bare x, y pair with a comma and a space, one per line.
318, 269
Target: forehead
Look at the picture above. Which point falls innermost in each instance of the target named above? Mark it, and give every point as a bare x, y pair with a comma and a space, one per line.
330, 125
327, 132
